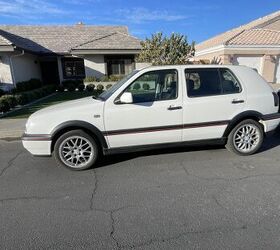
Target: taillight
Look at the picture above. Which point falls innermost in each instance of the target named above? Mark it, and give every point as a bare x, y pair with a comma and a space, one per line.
276, 99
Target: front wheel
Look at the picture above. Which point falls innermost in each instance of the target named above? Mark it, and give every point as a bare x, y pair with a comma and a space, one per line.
246, 138
76, 150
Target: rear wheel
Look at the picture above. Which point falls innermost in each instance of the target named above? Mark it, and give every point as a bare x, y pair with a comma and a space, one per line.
246, 138
76, 150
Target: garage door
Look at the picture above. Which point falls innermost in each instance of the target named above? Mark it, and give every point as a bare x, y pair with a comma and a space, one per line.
277, 76
254, 62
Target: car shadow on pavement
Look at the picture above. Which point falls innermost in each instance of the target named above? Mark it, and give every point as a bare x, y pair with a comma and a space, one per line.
269, 143
117, 158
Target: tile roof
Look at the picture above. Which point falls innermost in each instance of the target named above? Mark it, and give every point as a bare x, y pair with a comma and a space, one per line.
61, 39
256, 37
114, 40
271, 21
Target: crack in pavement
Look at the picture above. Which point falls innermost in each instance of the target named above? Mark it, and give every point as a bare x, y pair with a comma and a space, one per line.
176, 237
28, 198
94, 189
10, 163
227, 179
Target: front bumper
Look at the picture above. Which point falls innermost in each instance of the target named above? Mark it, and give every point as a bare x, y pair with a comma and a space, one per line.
39, 145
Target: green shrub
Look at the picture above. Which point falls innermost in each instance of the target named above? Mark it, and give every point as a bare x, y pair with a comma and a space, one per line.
28, 85
146, 86
71, 87
104, 79
136, 86
115, 78
100, 87
60, 88
4, 105
91, 79
30, 96
109, 86
81, 87
20, 99
10, 99
2, 92
70, 83
90, 87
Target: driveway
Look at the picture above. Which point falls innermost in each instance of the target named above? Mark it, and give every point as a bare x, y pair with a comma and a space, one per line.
192, 198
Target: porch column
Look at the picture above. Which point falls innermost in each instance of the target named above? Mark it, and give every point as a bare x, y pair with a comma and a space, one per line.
269, 68
226, 59
60, 70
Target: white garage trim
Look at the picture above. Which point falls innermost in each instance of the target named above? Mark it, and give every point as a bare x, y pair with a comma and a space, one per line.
277, 72
255, 62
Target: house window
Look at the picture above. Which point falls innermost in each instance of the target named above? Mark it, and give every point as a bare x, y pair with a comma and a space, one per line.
73, 68
119, 65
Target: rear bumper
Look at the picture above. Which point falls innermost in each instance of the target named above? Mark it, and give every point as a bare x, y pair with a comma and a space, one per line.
270, 122
39, 145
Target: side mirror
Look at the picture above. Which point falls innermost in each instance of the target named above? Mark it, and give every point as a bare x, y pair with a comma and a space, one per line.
126, 97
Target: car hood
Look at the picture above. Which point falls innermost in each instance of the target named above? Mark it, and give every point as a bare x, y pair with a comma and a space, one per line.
44, 120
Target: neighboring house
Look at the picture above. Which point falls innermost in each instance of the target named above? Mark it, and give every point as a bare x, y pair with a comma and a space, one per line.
55, 53
256, 44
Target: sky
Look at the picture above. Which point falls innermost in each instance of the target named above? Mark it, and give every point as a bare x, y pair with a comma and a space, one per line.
197, 19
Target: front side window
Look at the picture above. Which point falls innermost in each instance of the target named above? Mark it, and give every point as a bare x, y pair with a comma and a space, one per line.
203, 82
155, 86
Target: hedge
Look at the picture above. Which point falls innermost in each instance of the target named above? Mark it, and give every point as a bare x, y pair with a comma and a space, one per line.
8, 102
71, 84
2, 92
28, 85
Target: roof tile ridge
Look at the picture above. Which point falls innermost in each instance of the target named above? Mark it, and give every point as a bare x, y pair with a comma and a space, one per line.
95, 39
230, 39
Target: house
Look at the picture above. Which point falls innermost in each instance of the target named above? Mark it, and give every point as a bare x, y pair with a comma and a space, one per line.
56, 53
256, 44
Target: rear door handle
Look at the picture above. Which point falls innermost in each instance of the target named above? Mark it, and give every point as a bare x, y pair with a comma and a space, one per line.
174, 107
236, 101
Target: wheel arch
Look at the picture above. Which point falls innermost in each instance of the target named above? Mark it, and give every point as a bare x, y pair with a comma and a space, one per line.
254, 115
73, 125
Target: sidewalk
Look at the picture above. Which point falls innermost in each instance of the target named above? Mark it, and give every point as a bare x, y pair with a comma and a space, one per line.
12, 129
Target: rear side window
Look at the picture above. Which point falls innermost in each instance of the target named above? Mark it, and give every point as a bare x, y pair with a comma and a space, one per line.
208, 82
203, 82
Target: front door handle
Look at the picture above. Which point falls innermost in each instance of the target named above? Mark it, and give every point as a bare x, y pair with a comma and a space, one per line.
174, 107
236, 101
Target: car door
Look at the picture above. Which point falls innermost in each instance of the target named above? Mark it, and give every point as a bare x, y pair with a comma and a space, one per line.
213, 97
154, 117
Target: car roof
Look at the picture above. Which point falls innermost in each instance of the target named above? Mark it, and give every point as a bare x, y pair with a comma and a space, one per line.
191, 66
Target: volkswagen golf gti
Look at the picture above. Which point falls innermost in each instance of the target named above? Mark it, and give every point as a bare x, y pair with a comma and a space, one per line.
158, 107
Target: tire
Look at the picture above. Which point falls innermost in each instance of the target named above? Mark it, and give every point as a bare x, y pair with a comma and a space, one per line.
246, 138
76, 150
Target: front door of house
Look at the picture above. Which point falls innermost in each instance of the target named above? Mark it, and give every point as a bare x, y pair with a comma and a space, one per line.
49, 71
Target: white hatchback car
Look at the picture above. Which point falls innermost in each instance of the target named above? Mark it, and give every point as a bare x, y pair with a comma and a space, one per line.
159, 107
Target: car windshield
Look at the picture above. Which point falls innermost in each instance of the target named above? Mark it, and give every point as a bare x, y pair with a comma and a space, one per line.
105, 95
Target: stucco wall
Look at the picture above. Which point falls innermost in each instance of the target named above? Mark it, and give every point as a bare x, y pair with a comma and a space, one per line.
25, 68
95, 65
5, 72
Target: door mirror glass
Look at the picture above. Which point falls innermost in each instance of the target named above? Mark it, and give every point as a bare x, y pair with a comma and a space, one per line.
126, 97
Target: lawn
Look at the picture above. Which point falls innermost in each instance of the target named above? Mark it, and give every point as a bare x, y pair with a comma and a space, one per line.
54, 99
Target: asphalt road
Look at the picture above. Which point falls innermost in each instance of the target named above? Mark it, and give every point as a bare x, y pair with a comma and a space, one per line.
192, 198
